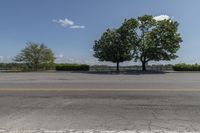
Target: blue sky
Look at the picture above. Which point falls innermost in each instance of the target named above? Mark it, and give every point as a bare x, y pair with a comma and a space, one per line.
70, 27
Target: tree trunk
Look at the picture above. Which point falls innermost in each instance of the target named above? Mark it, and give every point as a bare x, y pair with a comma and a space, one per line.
36, 67
117, 66
143, 66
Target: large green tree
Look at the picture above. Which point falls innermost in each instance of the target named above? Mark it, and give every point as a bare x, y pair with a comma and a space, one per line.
116, 45
157, 39
36, 56
144, 39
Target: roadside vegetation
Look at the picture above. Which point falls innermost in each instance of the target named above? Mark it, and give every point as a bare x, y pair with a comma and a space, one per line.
20, 67
36, 56
141, 39
72, 67
132, 68
186, 67
12, 67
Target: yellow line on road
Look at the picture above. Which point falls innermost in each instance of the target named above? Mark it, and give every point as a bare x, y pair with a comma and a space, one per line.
93, 90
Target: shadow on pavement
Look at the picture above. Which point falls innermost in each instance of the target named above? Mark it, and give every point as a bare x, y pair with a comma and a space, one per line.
122, 73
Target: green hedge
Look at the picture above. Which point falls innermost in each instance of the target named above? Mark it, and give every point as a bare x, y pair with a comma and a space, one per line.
24, 67
186, 67
72, 67
12, 66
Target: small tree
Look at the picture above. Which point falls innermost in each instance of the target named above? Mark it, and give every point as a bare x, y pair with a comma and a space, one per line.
115, 45
35, 56
157, 40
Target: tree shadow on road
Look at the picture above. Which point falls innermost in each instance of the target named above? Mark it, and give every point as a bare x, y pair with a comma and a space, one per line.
122, 72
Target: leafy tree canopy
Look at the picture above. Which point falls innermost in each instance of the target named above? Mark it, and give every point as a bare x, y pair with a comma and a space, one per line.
116, 45
144, 39
157, 40
36, 55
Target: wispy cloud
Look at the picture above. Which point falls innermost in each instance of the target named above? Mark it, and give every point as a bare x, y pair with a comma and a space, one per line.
6, 59
1, 58
67, 23
60, 55
162, 17
77, 27
64, 22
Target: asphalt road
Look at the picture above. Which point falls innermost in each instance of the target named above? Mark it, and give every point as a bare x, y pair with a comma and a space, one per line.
78, 81
60, 101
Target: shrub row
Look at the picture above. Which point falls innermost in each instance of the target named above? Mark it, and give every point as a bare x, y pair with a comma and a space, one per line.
72, 67
24, 67
12, 66
186, 67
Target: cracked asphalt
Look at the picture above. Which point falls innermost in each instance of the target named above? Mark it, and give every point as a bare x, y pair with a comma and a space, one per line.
91, 102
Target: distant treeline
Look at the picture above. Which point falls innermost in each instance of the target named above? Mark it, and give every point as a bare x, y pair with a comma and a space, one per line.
23, 67
186, 67
79, 67
11, 66
57, 67
72, 67
167, 67
85, 67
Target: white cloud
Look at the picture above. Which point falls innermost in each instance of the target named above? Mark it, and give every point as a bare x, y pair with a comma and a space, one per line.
1, 58
77, 27
64, 22
91, 50
70, 60
6, 59
68, 23
60, 55
162, 17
